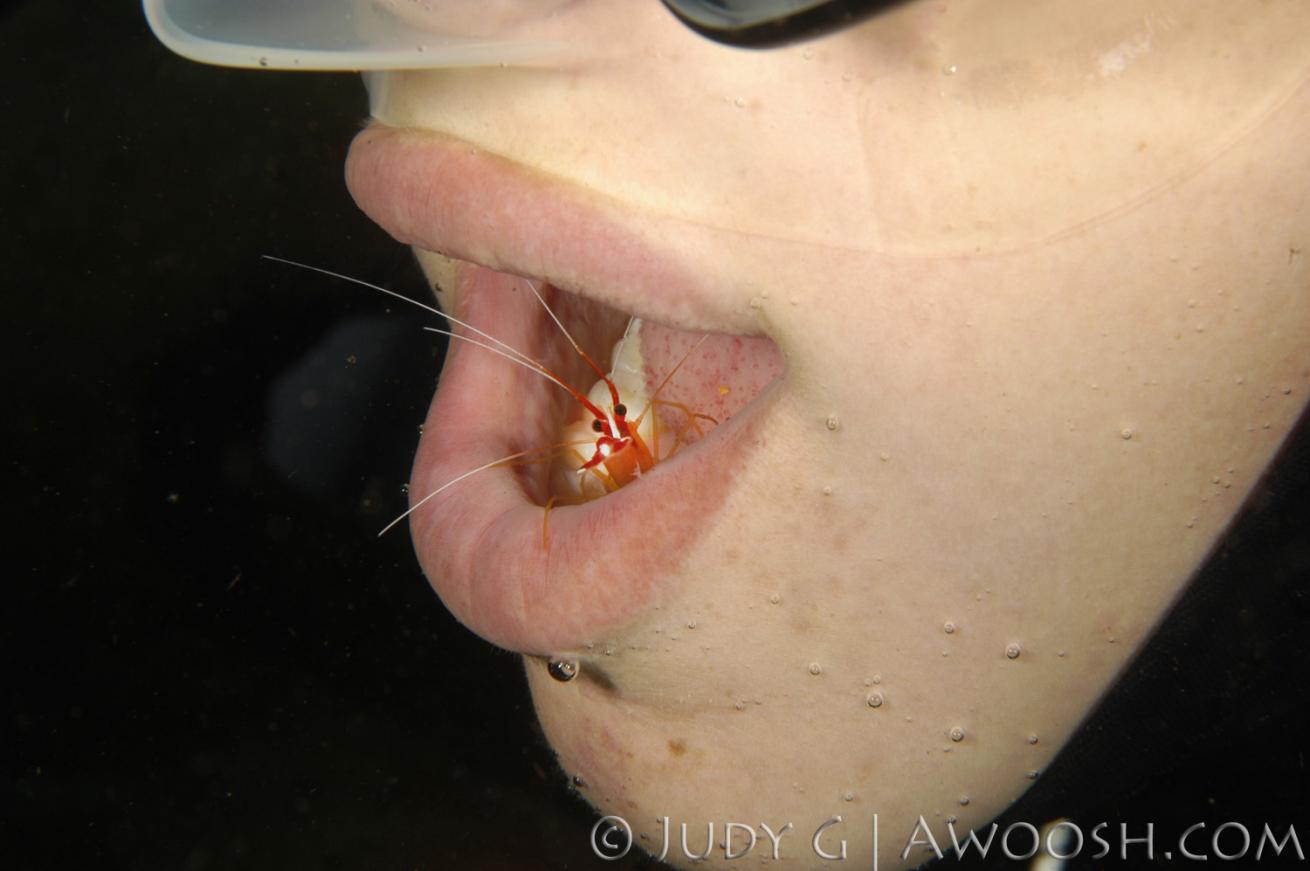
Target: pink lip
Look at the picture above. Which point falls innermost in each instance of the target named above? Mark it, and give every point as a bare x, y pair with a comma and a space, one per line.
480, 542
444, 195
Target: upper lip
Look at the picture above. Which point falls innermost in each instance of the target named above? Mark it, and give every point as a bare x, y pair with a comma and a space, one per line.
481, 542
444, 195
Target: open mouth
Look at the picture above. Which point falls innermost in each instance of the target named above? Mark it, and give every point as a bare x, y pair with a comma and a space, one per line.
554, 583
656, 393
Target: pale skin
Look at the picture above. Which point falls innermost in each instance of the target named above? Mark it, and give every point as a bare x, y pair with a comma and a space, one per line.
1044, 268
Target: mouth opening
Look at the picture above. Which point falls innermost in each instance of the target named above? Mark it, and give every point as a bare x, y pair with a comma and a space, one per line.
675, 385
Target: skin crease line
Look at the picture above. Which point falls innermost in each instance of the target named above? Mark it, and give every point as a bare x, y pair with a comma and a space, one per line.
1040, 326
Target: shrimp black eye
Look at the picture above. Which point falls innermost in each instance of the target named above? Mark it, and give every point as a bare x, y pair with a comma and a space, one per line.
620, 410
597, 426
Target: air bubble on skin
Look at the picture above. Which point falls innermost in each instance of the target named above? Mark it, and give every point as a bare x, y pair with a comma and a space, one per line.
884, 456
827, 489
808, 54
741, 706
964, 800
1032, 774
739, 102
875, 700
815, 668
1012, 650
691, 624
950, 69
579, 782
948, 627
1060, 653
1126, 433
1287, 391
848, 796
833, 422
957, 734
563, 670
775, 599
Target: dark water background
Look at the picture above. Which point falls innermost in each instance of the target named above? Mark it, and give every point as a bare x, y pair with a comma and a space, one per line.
211, 662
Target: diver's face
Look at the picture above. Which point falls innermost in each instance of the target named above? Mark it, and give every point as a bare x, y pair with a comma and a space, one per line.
905, 566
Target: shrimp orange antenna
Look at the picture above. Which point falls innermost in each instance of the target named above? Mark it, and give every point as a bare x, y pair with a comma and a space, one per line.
614, 391
650, 403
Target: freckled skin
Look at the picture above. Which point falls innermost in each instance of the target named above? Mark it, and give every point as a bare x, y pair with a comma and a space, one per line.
997, 273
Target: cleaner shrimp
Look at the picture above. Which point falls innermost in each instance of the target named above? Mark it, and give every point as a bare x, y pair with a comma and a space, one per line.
605, 447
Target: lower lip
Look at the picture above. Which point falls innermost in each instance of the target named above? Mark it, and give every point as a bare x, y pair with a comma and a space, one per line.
520, 581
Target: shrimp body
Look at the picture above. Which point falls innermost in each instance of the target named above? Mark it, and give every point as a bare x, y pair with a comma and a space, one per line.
619, 448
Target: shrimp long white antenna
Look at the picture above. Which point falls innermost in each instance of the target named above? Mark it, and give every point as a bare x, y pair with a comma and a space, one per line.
510, 352
529, 364
400, 296
361, 282
420, 503
614, 391
471, 472
532, 286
